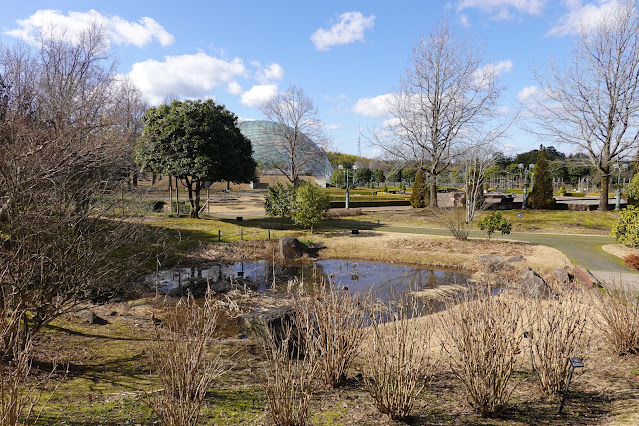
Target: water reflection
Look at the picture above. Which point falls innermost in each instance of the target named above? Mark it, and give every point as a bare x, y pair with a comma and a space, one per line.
382, 278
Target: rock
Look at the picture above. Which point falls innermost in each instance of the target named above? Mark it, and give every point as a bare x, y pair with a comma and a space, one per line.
490, 258
290, 248
90, 317
533, 285
257, 324
561, 275
515, 259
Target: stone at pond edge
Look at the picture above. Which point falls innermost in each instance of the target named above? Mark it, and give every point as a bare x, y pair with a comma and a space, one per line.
490, 258
532, 284
290, 248
91, 318
561, 275
257, 325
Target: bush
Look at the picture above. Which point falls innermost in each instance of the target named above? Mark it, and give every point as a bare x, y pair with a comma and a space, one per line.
495, 222
632, 191
419, 197
338, 321
626, 229
179, 355
620, 312
279, 201
310, 205
398, 360
557, 332
484, 343
541, 196
562, 189
289, 376
632, 260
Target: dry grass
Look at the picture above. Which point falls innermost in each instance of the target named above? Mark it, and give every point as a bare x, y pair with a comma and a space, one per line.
483, 337
620, 250
180, 357
444, 252
398, 360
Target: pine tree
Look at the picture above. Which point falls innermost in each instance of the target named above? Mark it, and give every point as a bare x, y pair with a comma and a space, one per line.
541, 196
419, 198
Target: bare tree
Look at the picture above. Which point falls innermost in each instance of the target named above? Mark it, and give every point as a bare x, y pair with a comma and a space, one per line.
298, 136
444, 95
593, 103
62, 143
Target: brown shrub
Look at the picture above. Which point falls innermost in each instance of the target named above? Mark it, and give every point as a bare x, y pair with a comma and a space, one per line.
398, 360
483, 339
619, 310
179, 354
632, 260
558, 330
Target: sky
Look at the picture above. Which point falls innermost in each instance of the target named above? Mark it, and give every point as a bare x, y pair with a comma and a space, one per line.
345, 55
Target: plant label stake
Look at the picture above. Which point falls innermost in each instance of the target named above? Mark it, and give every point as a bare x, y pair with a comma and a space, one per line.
528, 335
574, 363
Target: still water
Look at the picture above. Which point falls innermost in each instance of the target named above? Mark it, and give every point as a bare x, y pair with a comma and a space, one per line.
382, 279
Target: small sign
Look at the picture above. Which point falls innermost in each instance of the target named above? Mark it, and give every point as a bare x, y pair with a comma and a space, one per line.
520, 215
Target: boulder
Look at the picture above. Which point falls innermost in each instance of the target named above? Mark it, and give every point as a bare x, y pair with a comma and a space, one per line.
490, 258
514, 259
91, 317
533, 285
290, 248
278, 321
561, 275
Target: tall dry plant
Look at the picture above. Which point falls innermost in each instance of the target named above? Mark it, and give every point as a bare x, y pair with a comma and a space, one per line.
181, 358
558, 329
619, 310
336, 318
398, 360
483, 337
289, 376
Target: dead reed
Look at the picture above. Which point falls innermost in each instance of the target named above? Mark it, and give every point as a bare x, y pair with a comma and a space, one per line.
398, 361
482, 339
181, 359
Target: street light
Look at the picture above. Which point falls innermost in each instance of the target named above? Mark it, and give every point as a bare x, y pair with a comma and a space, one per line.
618, 198
345, 171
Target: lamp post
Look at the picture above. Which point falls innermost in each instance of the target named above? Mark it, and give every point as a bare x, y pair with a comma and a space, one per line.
345, 171
618, 197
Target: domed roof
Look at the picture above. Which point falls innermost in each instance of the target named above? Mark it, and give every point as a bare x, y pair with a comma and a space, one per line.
272, 151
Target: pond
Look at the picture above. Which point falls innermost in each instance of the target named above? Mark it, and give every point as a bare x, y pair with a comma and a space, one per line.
382, 279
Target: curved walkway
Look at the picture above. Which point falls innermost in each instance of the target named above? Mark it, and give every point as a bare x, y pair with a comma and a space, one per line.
584, 250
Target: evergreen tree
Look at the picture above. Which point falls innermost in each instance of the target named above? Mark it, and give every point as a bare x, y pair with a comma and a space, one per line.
419, 198
541, 196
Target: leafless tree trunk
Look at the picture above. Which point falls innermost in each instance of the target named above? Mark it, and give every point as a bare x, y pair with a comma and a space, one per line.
297, 135
444, 95
593, 103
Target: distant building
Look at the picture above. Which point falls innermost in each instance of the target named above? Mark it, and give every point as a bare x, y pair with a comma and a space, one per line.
271, 152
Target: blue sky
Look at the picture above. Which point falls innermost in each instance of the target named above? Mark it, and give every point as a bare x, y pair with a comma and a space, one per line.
345, 55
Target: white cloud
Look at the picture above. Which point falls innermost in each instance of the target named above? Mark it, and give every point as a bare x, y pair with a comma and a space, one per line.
333, 126
509, 147
527, 93
463, 19
348, 29
190, 76
257, 95
234, 88
372, 107
489, 72
272, 72
583, 15
120, 31
503, 9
